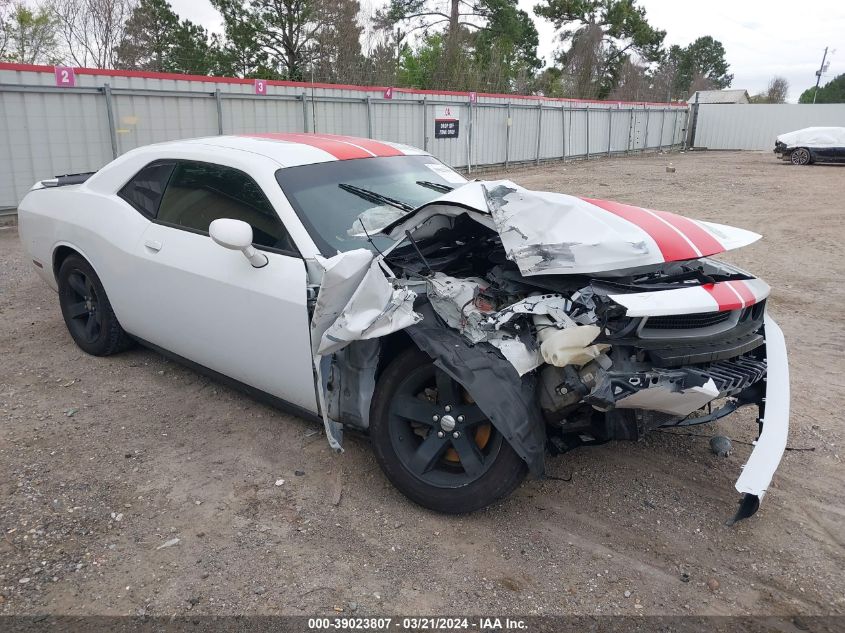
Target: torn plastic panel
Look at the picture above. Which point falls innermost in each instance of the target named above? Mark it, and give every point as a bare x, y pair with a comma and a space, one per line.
351, 382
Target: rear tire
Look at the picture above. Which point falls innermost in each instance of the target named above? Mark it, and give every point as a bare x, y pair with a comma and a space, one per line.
459, 463
800, 156
86, 309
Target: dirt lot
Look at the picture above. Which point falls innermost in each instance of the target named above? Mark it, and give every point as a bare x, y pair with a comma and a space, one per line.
102, 461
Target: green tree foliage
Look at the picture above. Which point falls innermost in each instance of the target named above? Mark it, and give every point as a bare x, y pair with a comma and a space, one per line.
700, 66
486, 45
192, 52
419, 68
28, 36
832, 92
155, 40
148, 37
241, 54
505, 50
283, 32
599, 37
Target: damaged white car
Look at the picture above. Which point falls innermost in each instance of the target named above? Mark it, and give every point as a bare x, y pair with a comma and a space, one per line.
470, 328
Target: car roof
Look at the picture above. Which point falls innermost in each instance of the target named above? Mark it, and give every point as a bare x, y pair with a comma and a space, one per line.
290, 149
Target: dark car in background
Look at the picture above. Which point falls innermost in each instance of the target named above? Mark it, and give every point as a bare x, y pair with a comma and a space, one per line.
812, 145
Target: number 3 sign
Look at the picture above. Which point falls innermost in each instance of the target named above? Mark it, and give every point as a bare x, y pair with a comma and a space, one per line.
261, 86
65, 77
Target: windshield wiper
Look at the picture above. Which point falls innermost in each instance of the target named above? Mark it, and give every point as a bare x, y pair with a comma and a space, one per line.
436, 186
378, 198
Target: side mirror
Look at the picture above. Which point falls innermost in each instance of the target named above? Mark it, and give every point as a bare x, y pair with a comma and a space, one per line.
236, 235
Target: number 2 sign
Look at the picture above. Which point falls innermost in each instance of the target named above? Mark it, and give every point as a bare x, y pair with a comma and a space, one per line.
65, 77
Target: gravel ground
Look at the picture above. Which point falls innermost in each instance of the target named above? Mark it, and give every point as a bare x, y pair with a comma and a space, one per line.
105, 463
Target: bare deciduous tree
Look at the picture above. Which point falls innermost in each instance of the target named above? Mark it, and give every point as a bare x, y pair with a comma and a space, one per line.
777, 91
92, 29
338, 55
701, 82
5, 26
632, 83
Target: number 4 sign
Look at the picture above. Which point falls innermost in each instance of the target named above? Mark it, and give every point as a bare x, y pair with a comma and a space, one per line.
388, 93
65, 77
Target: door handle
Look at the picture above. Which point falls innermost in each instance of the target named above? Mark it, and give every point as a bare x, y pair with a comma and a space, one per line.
153, 245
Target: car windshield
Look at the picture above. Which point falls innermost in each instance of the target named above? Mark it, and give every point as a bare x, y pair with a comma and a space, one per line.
342, 202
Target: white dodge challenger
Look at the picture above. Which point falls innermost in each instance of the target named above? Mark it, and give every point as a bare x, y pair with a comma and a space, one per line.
470, 328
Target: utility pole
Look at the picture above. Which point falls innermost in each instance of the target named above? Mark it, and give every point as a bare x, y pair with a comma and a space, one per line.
819, 74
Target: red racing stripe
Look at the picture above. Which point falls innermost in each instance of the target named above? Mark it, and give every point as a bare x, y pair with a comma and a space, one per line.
724, 296
341, 151
744, 291
704, 241
376, 147
672, 246
341, 147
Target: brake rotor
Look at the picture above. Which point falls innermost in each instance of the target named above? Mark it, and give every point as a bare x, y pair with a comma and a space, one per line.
482, 436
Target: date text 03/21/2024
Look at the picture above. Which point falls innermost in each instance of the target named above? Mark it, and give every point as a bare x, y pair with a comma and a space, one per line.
416, 623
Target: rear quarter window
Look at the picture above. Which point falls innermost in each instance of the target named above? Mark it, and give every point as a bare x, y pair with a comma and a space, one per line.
146, 188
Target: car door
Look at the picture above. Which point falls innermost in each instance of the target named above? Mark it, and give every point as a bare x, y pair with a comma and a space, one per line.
209, 304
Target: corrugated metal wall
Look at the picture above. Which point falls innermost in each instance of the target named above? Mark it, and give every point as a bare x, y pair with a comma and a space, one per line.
47, 130
755, 126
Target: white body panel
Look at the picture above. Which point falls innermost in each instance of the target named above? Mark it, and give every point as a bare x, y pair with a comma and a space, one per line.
208, 304
693, 300
191, 295
768, 449
814, 137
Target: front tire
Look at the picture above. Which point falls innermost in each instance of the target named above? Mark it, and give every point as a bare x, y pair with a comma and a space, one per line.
800, 156
434, 443
86, 309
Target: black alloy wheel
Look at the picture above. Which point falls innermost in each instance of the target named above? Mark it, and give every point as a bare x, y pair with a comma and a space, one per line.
87, 311
435, 443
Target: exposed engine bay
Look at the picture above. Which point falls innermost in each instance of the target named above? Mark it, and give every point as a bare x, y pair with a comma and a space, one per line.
590, 356
571, 322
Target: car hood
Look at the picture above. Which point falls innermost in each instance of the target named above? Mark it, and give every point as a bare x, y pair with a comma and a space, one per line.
553, 233
814, 137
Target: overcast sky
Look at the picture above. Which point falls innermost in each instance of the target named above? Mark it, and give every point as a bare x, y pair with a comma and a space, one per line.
762, 38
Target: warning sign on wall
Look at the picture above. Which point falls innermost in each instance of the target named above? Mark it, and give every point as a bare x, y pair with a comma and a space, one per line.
446, 123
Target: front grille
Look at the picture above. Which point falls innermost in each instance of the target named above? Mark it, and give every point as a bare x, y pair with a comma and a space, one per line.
687, 321
731, 376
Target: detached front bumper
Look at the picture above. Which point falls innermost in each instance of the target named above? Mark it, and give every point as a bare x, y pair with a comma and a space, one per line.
774, 425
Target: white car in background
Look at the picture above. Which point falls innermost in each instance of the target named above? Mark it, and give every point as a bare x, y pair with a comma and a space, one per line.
468, 327
812, 145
